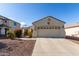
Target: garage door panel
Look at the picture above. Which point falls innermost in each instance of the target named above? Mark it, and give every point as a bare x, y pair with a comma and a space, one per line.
47, 33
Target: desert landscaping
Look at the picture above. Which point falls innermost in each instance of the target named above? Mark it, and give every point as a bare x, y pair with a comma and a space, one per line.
16, 47
39, 47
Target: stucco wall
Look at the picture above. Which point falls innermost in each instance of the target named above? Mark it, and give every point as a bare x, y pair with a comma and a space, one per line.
72, 31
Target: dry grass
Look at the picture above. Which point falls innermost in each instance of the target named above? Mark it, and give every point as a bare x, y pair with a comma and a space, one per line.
16, 47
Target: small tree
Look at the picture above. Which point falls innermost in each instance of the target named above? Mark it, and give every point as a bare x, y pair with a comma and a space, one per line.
18, 33
25, 32
10, 34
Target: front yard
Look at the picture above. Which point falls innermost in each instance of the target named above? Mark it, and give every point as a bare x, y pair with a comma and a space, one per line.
16, 47
39, 47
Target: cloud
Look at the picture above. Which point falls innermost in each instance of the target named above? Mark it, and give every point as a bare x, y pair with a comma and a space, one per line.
23, 23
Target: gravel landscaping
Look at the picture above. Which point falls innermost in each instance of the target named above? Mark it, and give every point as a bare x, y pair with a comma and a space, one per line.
16, 47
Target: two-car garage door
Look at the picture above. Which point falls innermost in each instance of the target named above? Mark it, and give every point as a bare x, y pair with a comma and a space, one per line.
48, 33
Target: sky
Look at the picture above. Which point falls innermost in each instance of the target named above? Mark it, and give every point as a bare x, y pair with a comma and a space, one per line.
26, 13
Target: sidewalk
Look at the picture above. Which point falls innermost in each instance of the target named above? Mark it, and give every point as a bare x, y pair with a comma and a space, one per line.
27, 38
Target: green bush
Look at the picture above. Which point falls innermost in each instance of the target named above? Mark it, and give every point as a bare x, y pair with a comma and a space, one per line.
18, 33
10, 35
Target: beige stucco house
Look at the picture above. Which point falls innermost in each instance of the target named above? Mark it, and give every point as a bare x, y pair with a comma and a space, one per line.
48, 27
72, 29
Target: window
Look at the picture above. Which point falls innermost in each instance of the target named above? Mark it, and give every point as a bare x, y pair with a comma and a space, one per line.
15, 24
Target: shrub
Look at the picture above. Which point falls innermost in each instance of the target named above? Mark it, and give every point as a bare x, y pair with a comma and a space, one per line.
18, 33
30, 31
10, 35
25, 32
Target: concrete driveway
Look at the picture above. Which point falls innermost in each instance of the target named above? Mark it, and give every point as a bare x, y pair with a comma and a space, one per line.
55, 47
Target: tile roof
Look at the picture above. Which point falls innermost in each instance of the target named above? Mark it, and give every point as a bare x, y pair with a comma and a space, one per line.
72, 25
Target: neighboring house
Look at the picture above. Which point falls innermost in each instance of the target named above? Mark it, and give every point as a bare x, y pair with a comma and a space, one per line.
25, 28
48, 27
72, 29
6, 24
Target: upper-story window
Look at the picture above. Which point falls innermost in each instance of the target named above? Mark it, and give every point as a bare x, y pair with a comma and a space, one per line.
5, 22
15, 24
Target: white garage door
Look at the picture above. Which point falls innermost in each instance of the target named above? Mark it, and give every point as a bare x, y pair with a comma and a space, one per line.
47, 33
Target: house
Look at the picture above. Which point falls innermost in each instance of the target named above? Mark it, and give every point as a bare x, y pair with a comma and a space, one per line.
48, 27
26, 28
6, 24
72, 29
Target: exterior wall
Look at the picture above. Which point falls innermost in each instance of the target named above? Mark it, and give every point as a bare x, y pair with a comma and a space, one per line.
72, 31
48, 32
13, 25
34, 32
1, 21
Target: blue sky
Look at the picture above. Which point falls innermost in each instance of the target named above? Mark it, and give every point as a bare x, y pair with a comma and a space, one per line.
28, 13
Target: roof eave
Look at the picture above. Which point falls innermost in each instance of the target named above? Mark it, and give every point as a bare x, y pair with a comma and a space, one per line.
51, 17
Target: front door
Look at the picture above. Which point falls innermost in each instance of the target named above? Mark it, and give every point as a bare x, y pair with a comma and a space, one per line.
6, 29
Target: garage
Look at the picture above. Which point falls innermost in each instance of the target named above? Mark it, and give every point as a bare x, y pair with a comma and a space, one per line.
48, 27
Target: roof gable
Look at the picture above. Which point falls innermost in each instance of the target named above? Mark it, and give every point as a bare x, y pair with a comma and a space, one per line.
48, 17
5, 18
